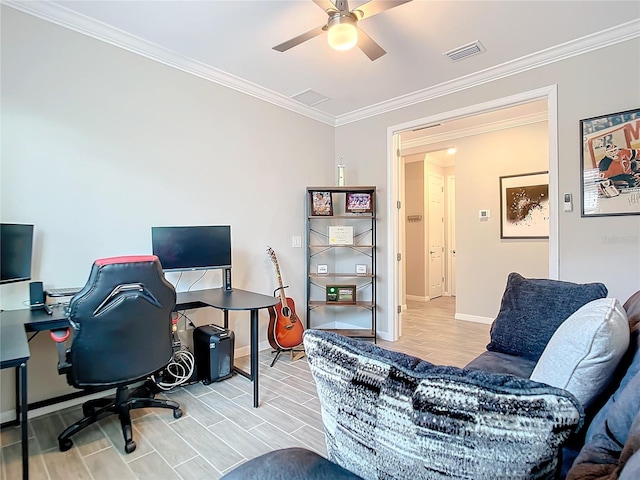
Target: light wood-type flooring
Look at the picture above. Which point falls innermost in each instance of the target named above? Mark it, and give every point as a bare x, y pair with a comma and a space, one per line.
219, 429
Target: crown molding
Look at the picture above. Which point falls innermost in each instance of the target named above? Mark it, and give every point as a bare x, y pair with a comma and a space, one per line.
519, 121
64, 17
595, 41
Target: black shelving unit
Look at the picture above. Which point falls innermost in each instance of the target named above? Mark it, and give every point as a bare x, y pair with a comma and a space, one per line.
353, 317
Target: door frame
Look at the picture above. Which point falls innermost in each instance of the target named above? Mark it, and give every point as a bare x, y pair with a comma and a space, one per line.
550, 93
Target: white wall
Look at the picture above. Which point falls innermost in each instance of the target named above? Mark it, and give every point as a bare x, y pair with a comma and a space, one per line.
590, 249
99, 144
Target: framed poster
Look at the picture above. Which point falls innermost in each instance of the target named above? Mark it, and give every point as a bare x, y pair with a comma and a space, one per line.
610, 164
321, 204
356, 202
524, 205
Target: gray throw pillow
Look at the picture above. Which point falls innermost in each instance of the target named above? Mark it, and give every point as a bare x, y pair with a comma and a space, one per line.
390, 415
585, 350
531, 311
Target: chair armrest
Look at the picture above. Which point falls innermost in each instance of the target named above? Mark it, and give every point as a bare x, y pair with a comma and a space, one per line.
60, 336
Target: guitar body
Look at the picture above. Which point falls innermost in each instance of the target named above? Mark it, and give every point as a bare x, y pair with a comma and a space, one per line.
285, 329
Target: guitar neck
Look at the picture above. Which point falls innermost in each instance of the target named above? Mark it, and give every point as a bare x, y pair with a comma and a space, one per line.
283, 298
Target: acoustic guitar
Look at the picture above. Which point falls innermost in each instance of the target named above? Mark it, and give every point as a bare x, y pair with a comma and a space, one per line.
285, 328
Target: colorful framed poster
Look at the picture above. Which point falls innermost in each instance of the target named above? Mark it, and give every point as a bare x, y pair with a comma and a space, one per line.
610, 164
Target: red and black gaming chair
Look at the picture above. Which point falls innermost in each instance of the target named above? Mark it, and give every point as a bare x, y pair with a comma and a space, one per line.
121, 334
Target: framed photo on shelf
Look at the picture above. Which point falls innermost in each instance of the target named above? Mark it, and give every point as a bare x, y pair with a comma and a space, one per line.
357, 202
340, 235
322, 269
344, 294
321, 204
610, 166
361, 269
524, 205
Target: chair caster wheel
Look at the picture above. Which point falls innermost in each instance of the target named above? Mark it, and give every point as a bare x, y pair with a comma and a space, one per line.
130, 446
177, 413
65, 444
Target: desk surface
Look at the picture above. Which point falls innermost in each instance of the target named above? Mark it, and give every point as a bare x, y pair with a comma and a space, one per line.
236, 299
14, 348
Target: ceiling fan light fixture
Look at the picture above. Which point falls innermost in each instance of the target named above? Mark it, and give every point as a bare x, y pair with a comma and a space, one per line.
342, 33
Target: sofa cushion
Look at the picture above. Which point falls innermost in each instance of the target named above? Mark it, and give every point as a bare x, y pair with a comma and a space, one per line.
618, 439
390, 415
532, 309
496, 362
289, 464
585, 350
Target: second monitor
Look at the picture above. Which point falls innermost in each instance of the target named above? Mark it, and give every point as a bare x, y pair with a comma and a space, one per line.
189, 248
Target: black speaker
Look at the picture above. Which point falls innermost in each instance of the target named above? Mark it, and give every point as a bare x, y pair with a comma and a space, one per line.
213, 349
36, 295
227, 279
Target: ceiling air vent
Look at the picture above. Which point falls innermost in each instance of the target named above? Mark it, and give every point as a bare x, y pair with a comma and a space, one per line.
310, 97
465, 51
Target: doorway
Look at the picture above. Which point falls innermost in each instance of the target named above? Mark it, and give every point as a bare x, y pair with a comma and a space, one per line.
425, 224
548, 95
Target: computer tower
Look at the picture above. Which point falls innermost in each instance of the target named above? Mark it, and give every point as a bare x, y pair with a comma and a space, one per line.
213, 350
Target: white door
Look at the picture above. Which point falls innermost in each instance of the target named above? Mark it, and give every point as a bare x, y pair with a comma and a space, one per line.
436, 235
451, 244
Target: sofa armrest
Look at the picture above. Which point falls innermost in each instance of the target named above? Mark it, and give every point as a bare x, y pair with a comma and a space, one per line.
290, 464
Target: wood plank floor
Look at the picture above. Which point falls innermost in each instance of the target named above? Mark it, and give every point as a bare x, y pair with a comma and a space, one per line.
219, 429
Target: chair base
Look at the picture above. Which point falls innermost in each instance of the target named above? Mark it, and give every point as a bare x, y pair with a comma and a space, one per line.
122, 404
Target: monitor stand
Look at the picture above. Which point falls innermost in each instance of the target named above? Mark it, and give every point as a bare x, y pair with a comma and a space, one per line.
227, 280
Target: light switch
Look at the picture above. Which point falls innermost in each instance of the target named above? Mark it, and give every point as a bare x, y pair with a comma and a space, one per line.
484, 214
296, 241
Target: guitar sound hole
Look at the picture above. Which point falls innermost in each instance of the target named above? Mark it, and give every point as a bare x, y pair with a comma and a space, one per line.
286, 311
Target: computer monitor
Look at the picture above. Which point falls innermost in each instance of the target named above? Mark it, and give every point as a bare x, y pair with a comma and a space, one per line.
192, 248
16, 249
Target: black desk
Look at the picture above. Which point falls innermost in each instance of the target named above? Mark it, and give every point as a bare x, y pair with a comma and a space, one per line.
14, 348
233, 300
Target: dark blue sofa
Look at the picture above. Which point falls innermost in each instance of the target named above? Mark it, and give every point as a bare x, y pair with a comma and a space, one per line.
606, 447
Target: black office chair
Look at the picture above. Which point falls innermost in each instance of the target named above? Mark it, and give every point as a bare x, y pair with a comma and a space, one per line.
121, 334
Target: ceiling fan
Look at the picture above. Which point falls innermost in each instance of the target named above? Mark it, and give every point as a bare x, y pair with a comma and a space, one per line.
342, 30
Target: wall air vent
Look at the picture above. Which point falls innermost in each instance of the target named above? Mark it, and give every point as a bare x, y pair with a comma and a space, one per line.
465, 51
310, 97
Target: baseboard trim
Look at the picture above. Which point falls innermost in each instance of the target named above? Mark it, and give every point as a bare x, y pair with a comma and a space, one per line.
473, 318
417, 298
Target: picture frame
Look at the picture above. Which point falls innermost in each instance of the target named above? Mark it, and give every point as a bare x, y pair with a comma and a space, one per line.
524, 205
340, 235
610, 164
361, 269
321, 204
358, 202
322, 269
342, 294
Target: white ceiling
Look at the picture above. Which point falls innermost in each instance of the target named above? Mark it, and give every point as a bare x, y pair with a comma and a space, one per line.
230, 42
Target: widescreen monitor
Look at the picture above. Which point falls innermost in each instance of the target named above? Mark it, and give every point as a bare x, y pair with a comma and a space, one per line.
16, 249
193, 247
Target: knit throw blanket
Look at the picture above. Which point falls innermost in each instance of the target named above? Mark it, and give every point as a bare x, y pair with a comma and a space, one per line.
388, 415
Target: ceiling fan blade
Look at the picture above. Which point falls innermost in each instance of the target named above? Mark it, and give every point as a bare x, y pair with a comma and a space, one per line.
299, 39
375, 7
370, 48
326, 5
